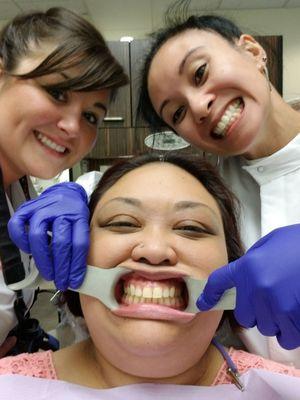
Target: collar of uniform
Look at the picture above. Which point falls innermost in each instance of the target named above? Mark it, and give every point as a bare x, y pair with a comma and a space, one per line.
278, 164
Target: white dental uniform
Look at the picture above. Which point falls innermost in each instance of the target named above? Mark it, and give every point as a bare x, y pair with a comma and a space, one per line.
8, 318
269, 192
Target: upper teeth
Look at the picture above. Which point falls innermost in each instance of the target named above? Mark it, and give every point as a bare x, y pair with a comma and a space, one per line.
152, 292
165, 293
229, 116
46, 141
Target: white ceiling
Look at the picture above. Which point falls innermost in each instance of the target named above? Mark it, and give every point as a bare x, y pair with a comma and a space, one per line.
9, 8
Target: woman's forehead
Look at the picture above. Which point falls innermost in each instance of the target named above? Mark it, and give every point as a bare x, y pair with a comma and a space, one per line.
191, 37
160, 181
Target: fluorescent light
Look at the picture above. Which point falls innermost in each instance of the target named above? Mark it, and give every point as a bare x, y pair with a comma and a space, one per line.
126, 39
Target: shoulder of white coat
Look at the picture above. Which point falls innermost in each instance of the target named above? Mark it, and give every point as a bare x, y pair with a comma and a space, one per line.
89, 181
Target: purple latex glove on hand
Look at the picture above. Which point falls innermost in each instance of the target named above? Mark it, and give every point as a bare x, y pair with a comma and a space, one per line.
267, 280
61, 209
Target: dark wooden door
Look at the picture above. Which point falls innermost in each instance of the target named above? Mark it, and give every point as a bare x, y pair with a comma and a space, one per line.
273, 48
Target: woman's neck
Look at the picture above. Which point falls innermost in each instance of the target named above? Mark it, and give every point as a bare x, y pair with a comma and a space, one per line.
93, 370
9, 172
282, 126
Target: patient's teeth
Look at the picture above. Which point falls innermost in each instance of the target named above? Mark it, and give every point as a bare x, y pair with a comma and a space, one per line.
147, 293
172, 291
157, 292
132, 290
166, 293
167, 301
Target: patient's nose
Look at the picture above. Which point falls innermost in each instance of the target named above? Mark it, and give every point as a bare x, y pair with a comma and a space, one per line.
155, 250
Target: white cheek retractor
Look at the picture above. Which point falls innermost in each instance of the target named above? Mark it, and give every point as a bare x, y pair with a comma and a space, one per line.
101, 283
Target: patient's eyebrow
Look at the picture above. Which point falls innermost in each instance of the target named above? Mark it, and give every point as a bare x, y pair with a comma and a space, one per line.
186, 204
179, 206
125, 200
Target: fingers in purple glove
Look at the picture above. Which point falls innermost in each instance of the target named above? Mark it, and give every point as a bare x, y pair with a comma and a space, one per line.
81, 243
286, 310
218, 281
288, 336
265, 320
40, 248
62, 251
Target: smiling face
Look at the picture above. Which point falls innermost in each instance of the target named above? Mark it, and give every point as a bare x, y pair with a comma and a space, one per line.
44, 132
213, 94
162, 224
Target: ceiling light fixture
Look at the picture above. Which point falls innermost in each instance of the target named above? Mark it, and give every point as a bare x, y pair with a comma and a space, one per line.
126, 39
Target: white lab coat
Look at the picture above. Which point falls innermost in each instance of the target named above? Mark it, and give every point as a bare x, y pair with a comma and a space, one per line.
269, 192
8, 319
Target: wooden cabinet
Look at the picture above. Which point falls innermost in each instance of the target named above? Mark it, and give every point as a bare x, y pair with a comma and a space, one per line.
115, 134
122, 134
138, 52
119, 113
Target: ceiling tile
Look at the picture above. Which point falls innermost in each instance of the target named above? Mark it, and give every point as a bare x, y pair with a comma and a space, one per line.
8, 10
117, 14
292, 4
205, 5
251, 4
77, 6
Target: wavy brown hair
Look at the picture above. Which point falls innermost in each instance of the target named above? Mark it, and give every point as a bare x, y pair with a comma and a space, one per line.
77, 43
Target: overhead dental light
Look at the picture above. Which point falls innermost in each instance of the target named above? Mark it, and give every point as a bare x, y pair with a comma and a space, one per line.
165, 140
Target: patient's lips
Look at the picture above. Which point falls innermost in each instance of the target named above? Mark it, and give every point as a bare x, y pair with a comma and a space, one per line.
140, 297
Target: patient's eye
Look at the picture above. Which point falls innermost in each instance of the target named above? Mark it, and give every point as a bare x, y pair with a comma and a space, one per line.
193, 230
121, 224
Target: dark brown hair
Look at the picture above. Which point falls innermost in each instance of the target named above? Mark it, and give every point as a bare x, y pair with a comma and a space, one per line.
77, 44
202, 171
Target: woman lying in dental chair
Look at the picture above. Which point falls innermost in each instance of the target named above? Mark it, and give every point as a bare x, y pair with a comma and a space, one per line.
163, 218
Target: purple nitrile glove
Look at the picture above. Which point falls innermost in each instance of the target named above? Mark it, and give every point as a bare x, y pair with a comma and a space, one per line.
267, 281
61, 209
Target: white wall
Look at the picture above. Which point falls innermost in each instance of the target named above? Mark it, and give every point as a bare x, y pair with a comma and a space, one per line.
283, 22
140, 17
